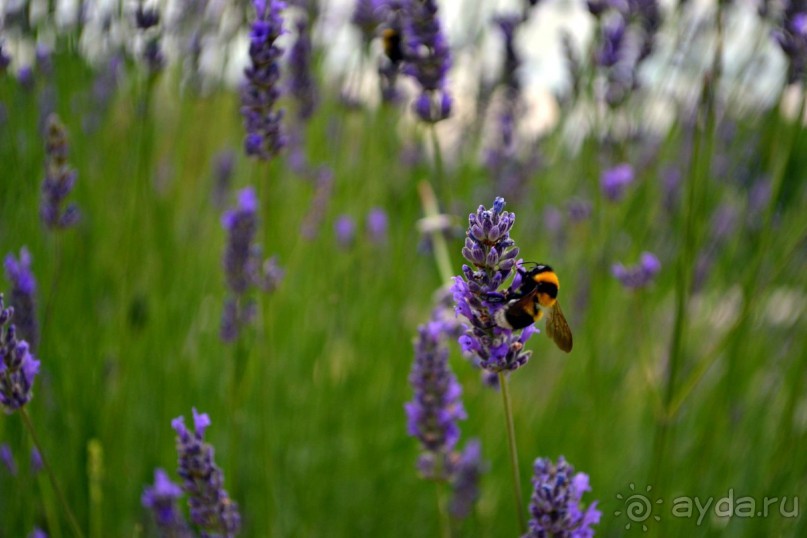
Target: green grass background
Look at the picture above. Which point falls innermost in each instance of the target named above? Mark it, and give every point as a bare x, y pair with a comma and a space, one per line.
313, 442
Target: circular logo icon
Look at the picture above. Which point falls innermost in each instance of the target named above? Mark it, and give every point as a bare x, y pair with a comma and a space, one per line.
638, 507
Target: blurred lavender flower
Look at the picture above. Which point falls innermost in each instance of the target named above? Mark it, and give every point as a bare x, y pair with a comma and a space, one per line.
102, 91
211, 507
490, 250
791, 35
25, 77
377, 225
428, 59
23, 296
579, 210
36, 461
556, 506
223, 164
7, 457
18, 367
147, 20
242, 264
614, 181
5, 59
59, 179
319, 205
345, 230
161, 499
367, 16
433, 413
259, 94
301, 83
638, 276
467, 470
38, 533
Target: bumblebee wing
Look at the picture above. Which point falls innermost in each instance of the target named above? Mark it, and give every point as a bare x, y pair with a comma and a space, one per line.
558, 329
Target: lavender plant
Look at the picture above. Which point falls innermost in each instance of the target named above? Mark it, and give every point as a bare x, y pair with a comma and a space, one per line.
427, 60
18, 367
212, 510
59, 179
243, 268
555, 506
301, 83
259, 94
23, 296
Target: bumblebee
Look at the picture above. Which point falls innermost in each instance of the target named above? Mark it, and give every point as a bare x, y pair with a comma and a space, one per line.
393, 47
536, 296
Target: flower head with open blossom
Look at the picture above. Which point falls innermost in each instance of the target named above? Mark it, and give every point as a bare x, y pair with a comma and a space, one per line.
243, 268
436, 407
212, 510
492, 255
23, 295
555, 506
161, 499
59, 179
427, 59
18, 367
261, 90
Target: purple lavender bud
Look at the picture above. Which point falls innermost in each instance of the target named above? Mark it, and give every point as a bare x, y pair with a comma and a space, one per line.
427, 59
7, 457
260, 92
270, 275
638, 276
25, 76
59, 179
467, 471
146, 18
556, 506
367, 17
377, 225
490, 250
38, 533
615, 181
161, 499
211, 508
301, 83
36, 461
345, 230
5, 59
18, 367
23, 296
44, 59
436, 407
613, 35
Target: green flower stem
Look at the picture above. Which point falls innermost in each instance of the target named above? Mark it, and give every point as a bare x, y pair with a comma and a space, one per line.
70, 517
442, 506
432, 211
511, 441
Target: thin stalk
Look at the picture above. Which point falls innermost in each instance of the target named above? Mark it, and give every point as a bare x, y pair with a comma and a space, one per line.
511, 441
432, 211
442, 507
439, 172
70, 517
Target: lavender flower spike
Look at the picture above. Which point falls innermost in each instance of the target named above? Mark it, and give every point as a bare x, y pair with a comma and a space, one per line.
492, 253
161, 499
435, 409
465, 483
23, 295
18, 367
243, 268
301, 84
59, 179
211, 507
555, 506
259, 94
428, 59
